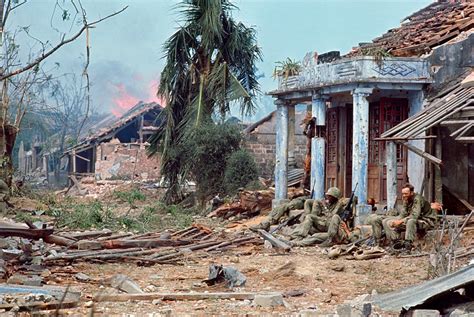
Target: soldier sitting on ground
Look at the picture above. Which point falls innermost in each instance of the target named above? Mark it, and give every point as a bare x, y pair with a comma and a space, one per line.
377, 222
279, 212
324, 217
417, 214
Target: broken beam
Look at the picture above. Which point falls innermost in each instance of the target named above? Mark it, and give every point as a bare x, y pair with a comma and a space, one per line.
274, 241
414, 149
174, 296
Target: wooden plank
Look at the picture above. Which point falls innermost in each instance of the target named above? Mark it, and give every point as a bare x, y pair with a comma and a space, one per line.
175, 296
274, 241
148, 243
422, 153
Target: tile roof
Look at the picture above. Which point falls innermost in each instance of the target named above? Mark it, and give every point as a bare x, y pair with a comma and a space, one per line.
431, 26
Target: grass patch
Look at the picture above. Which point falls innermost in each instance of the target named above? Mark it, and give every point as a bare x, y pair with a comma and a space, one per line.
95, 215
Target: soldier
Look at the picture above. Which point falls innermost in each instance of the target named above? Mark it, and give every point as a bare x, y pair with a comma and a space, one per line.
417, 213
324, 216
377, 223
279, 212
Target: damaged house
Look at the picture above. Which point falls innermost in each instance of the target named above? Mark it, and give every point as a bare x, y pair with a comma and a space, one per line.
118, 151
373, 126
259, 140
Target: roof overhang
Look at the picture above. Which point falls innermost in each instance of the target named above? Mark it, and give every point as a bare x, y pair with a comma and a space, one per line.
356, 70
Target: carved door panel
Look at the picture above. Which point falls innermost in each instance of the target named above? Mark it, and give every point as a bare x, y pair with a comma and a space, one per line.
348, 149
332, 145
392, 112
375, 165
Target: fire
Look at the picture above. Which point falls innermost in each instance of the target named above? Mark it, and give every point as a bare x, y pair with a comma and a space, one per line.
124, 99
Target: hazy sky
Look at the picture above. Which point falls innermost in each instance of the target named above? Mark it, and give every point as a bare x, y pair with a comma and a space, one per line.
126, 50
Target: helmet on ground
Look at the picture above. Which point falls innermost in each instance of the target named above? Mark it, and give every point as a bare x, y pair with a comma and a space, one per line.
334, 192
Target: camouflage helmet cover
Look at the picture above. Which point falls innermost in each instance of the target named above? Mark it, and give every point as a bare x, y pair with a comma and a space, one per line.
334, 192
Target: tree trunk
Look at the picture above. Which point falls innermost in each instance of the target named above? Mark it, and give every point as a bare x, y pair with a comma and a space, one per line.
7, 141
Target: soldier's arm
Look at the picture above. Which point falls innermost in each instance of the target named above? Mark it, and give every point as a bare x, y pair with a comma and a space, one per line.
416, 208
404, 213
317, 208
341, 204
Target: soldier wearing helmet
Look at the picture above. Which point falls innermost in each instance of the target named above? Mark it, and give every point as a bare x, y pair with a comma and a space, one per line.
323, 216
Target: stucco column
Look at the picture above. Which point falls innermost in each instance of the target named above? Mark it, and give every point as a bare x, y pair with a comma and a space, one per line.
291, 136
360, 150
391, 161
318, 147
416, 164
281, 149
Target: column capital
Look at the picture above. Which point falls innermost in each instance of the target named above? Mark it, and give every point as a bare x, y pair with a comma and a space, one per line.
319, 96
365, 92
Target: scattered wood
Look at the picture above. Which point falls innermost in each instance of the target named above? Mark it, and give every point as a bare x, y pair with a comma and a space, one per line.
274, 241
174, 296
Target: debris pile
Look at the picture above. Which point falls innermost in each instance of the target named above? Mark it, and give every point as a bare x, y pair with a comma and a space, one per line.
252, 203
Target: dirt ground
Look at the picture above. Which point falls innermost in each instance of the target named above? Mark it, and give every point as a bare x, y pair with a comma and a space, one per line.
324, 283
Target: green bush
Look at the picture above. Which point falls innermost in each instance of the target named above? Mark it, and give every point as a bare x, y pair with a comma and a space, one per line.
209, 148
241, 170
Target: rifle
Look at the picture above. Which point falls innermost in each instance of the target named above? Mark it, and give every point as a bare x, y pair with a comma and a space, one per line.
284, 223
347, 213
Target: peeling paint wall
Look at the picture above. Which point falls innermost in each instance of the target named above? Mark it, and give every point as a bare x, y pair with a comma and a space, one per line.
261, 144
125, 161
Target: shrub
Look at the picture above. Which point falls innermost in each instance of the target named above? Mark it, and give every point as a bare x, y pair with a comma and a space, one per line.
241, 170
209, 148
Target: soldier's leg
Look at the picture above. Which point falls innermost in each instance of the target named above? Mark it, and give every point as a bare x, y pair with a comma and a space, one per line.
311, 240
390, 231
410, 233
334, 226
376, 222
308, 205
303, 229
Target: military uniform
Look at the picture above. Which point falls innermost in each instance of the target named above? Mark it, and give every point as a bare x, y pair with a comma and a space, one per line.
279, 212
416, 214
338, 235
377, 223
322, 217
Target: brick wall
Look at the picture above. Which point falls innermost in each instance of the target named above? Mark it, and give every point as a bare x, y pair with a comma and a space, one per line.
123, 160
262, 147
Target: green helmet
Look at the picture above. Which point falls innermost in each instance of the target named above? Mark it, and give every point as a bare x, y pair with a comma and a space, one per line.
334, 192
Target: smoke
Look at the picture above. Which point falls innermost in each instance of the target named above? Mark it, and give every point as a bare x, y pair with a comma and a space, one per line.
115, 87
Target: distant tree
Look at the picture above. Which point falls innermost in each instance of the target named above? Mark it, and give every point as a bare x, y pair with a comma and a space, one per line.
210, 64
21, 78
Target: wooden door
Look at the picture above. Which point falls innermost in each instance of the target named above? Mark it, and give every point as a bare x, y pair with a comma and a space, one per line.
384, 115
392, 112
332, 145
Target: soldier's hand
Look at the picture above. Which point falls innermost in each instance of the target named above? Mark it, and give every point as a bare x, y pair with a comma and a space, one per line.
397, 223
436, 206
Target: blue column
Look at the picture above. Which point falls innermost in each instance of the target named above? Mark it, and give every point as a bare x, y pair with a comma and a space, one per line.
318, 147
391, 161
281, 162
416, 164
360, 150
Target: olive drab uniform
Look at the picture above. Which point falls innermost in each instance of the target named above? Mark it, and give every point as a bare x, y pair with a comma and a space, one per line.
279, 212
417, 214
322, 218
377, 221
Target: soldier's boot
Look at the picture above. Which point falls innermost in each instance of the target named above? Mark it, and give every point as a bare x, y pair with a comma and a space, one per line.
407, 246
264, 225
327, 243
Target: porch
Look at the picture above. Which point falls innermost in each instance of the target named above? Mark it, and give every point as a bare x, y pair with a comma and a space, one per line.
353, 101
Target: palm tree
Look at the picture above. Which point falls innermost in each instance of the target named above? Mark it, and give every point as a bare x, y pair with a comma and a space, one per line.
210, 65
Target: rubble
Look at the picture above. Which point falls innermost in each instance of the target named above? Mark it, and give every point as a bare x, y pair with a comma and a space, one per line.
230, 275
270, 300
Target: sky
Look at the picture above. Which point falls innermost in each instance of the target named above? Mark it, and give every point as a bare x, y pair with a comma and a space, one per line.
126, 50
